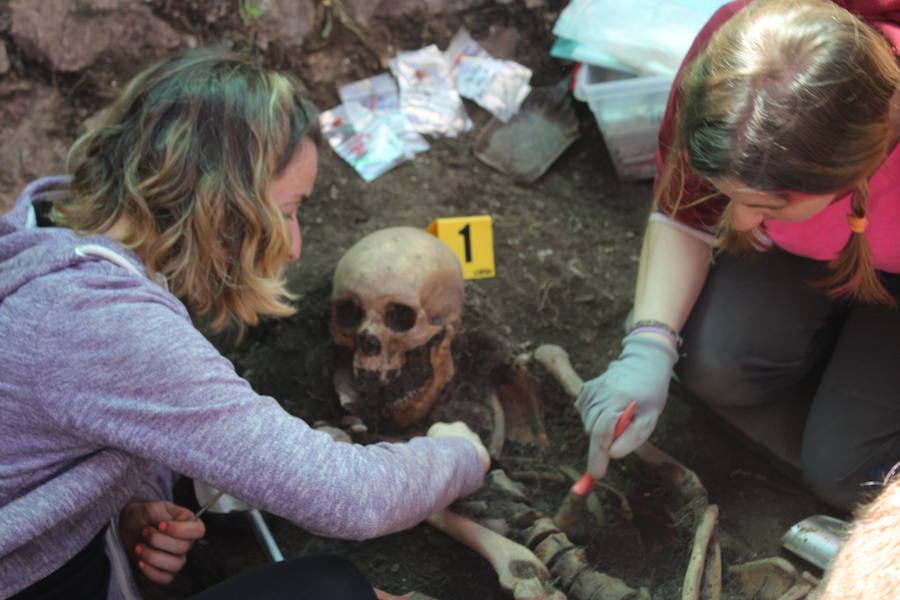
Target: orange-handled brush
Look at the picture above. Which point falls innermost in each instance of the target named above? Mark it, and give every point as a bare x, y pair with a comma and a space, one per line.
573, 506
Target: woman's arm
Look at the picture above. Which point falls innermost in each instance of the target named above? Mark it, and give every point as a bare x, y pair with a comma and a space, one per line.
671, 273
673, 267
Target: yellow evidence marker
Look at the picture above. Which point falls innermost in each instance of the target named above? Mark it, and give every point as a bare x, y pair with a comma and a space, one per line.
472, 239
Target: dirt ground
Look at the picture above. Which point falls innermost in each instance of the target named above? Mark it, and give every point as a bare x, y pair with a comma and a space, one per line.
566, 251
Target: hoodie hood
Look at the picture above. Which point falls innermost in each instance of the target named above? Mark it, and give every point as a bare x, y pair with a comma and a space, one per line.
28, 251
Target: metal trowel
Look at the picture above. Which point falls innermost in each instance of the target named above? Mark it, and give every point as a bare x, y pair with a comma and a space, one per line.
217, 502
532, 140
816, 539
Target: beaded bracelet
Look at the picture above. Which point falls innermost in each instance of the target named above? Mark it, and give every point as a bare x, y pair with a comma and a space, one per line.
656, 327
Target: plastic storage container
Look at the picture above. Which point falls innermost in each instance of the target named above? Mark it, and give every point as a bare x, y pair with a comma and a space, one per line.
628, 110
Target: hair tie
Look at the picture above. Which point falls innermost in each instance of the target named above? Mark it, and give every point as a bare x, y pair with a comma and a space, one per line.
858, 224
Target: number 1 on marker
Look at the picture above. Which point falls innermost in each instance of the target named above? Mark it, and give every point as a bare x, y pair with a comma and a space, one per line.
472, 239
465, 233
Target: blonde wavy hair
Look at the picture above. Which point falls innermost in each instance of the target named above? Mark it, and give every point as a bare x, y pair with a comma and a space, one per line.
795, 95
185, 157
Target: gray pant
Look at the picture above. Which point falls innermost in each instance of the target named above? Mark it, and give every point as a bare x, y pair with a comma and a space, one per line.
761, 336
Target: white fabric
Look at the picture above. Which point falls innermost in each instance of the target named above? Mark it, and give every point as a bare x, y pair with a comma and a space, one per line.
108, 254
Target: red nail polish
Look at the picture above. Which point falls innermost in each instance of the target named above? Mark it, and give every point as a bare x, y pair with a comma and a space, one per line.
138, 549
145, 532
163, 526
142, 565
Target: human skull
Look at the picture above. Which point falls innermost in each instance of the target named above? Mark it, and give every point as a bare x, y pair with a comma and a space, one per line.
396, 304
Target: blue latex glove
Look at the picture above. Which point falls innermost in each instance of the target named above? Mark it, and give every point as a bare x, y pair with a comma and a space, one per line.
641, 373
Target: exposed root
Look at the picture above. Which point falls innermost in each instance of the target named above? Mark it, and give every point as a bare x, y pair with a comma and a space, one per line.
624, 504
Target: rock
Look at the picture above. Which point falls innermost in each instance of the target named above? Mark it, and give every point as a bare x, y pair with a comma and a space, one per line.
31, 143
284, 22
69, 36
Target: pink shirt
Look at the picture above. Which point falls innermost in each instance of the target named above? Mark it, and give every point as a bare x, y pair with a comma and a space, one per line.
822, 236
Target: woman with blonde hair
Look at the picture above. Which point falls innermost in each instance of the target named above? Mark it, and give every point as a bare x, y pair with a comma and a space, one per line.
773, 248
180, 203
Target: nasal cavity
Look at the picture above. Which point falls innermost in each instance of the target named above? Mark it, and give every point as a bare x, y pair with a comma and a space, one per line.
369, 344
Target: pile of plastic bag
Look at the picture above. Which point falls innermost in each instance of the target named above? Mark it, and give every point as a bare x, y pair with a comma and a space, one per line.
381, 121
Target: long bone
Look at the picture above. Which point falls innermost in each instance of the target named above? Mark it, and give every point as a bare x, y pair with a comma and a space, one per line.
700, 568
518, 569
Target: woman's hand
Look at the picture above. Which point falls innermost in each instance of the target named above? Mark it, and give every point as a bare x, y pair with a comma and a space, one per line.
157, 536
460, 429
641, 374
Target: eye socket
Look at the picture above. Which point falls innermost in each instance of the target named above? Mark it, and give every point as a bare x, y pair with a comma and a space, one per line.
347, 313
400, 317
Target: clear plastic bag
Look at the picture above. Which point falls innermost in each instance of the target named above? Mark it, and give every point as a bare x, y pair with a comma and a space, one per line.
428, 96
378, 98
498, 86
372, 149
462, 45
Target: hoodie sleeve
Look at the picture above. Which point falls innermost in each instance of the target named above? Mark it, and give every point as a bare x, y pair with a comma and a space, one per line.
124, 369
158, 483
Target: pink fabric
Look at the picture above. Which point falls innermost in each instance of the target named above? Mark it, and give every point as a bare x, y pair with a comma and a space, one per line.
822, 236
889, 9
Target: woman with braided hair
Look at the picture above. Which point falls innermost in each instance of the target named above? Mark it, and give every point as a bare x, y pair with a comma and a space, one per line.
773, 248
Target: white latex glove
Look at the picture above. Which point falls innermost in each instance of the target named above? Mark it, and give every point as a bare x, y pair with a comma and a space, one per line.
460, 429
641, 374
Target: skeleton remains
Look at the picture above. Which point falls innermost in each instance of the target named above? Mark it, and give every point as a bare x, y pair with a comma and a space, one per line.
396, 316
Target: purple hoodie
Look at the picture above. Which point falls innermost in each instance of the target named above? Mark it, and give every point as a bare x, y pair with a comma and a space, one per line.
102, 375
